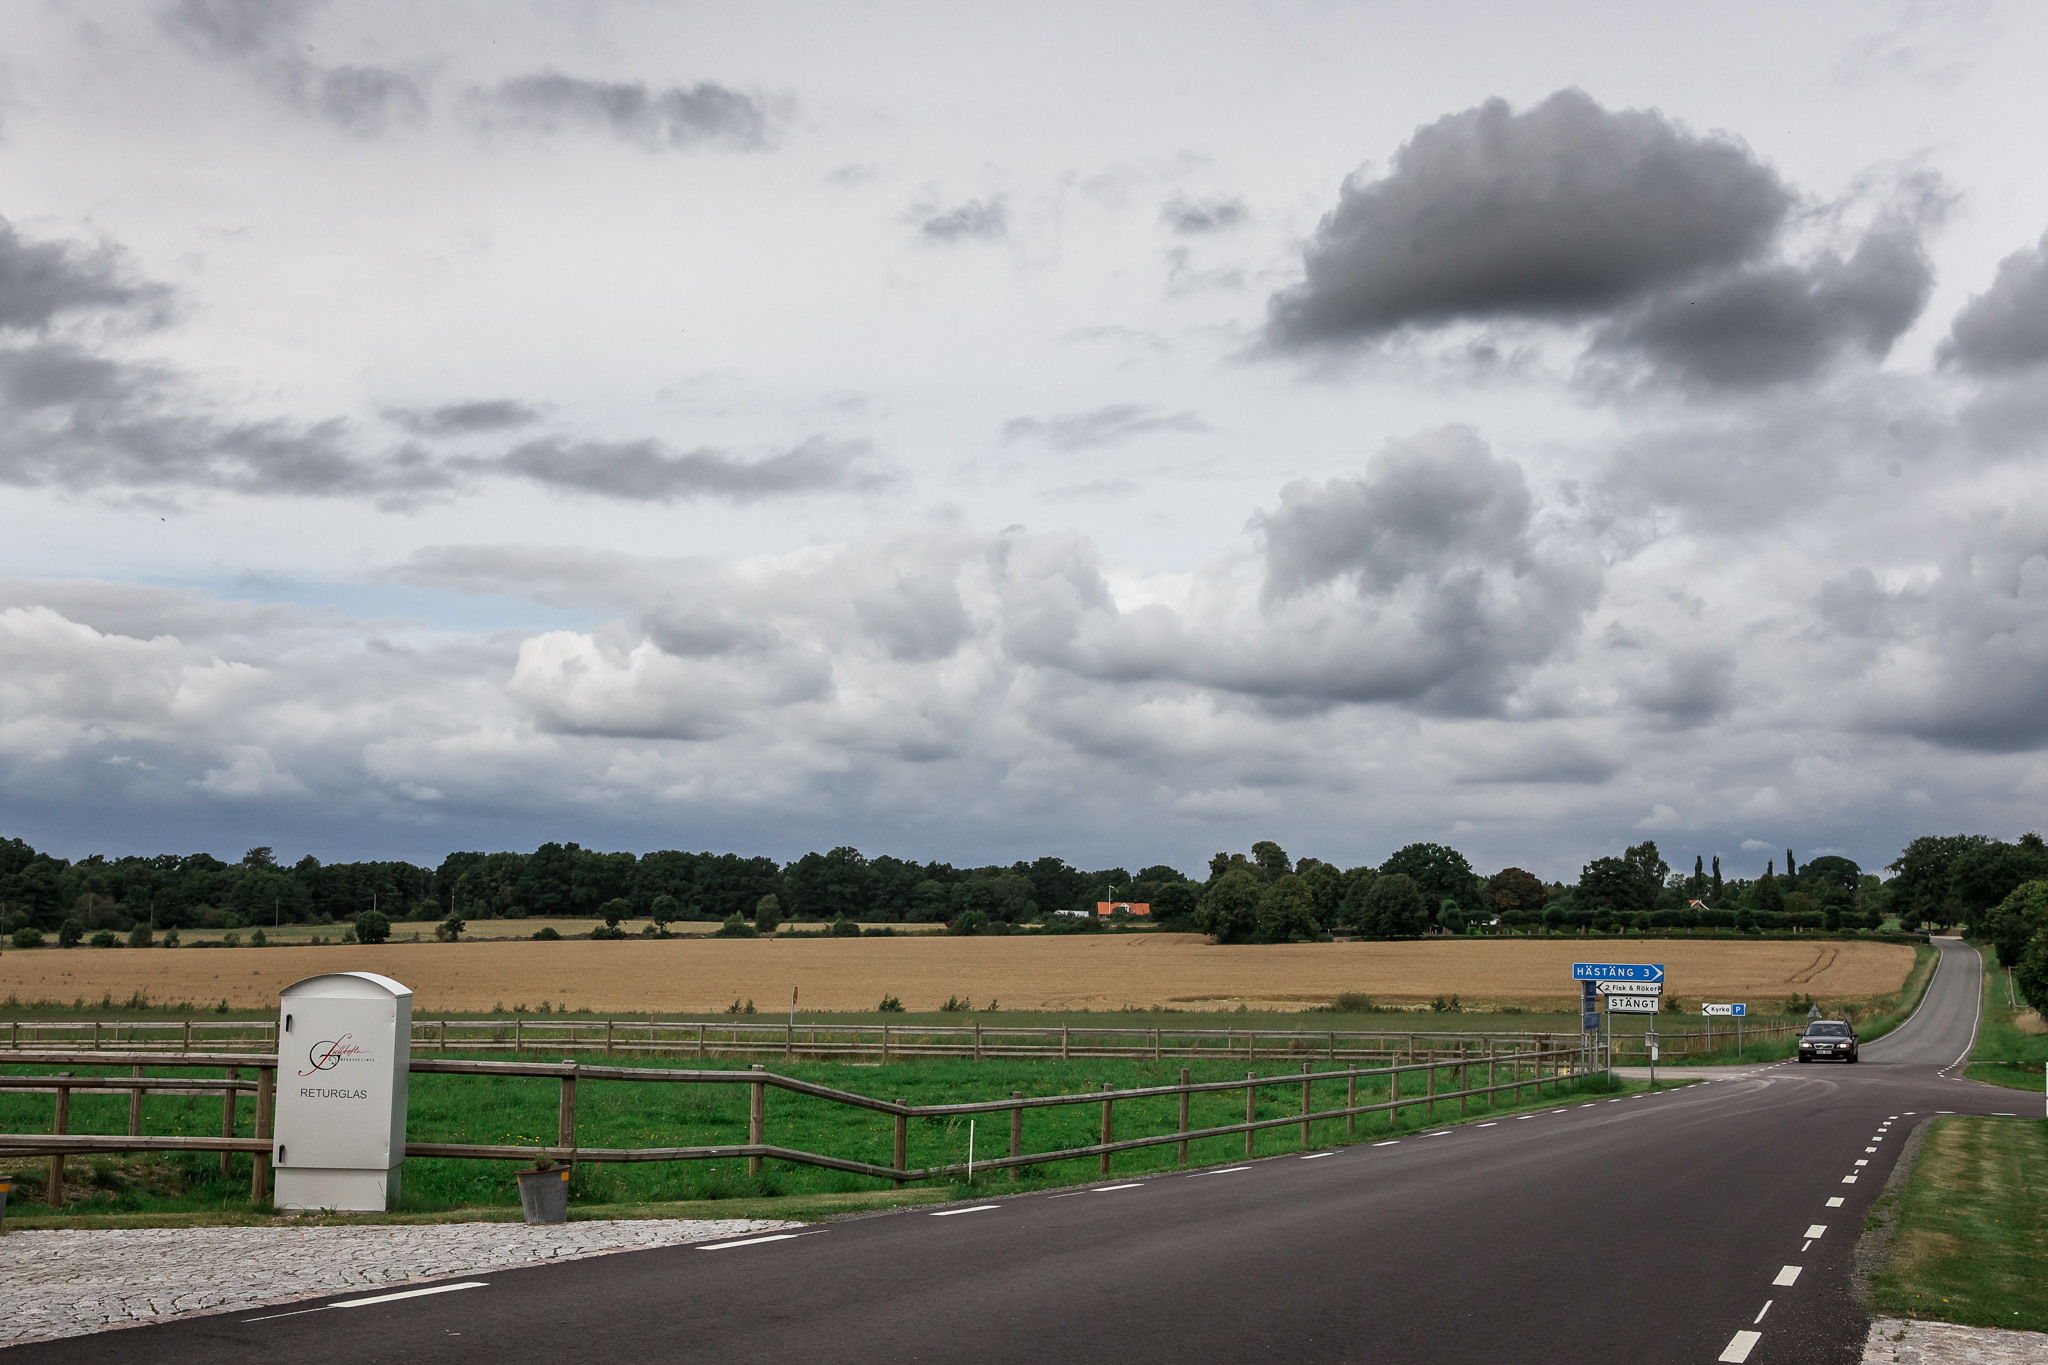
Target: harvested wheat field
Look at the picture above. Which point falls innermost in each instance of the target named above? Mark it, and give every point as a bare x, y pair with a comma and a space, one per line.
1068, 973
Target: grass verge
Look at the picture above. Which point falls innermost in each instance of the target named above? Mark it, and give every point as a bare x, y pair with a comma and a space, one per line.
521, 1111
2006, 1054
1972, 1229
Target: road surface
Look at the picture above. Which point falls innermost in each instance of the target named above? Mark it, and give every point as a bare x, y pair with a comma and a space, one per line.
1708, 1223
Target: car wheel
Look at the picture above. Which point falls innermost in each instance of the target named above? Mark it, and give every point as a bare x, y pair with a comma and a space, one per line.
1803, 1060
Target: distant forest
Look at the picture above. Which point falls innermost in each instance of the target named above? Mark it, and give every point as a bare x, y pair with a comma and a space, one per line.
1262, 896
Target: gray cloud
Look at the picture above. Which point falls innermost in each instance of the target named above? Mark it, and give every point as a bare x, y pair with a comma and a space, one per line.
264, 36
1098, 426
40, 280
2005, 327
1214, 214
1564, 210
707, 634
975, 220
1687, 686
1960, 661
465, 419
704, 114
1776, 323
916, 620
1432, 505
648, 470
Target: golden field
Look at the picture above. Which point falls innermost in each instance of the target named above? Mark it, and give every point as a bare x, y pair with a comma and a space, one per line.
1097, 972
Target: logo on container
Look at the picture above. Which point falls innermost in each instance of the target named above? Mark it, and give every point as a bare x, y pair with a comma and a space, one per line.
332, 1052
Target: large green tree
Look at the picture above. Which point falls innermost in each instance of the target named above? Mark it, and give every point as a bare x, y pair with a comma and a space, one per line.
1438, 872
1229, 909
1394, 907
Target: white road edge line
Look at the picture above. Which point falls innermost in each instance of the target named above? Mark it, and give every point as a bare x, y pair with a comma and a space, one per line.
1788, 1275
1739, 1346
1395, 1142
978, 1208
752, 1241
1317, 1156
1105, 1189
410, 1294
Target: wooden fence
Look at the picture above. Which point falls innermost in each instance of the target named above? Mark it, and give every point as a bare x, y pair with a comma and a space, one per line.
552, 1036
1529, 1070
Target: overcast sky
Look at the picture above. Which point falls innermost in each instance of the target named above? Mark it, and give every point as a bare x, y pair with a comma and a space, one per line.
1121, 432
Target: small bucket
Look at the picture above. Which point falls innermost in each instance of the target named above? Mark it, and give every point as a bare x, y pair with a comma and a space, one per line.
544, 1194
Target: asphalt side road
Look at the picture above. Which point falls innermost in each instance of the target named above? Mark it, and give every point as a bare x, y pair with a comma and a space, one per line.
1709, 1223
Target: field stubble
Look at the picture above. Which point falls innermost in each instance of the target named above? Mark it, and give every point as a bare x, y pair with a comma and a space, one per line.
1105, 972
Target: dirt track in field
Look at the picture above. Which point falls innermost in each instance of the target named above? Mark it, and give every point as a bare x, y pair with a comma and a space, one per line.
1093, 972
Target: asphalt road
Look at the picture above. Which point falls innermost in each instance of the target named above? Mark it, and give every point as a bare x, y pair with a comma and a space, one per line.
1653, 1228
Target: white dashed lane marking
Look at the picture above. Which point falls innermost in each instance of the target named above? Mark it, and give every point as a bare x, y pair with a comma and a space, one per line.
1739, 1347
1788, 1275
1816, 1230
1835, 1202
978, 1208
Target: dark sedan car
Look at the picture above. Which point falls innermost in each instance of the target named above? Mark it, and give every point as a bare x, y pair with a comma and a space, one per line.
1827, 1040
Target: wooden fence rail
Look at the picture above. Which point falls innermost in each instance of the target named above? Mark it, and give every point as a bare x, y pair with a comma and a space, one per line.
1526, 1070
886, 1042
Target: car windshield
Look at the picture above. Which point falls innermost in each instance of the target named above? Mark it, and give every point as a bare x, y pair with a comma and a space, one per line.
1827, 1031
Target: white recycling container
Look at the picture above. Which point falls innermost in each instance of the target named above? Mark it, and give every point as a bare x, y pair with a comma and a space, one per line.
344, 1052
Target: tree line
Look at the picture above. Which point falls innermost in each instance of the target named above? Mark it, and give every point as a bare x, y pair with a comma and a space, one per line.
1264, 896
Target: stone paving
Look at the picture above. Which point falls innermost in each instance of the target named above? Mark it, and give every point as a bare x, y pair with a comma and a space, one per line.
1895, 1341
64, 1283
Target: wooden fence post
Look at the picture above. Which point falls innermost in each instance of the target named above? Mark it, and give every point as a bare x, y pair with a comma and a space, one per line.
1184, 1114
1305, 1109
977, 1040
518, 1036
95, 1036
1429, 1089
1016, 1131
1108, 1126
757, 1115
902, 1157
266, 1104
1489, 1076
444, 1035
1155, 1045
1251, 1099
188, 1035
607, 1037
1351, 1102
1394, 1098
135, 1105
565, 1112
55, 1196
1063, 1042
700, 1040
227, 1121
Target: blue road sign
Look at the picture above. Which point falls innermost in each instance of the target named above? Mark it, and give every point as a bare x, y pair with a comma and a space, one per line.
1617, 971
1590, 1022
1739, 1010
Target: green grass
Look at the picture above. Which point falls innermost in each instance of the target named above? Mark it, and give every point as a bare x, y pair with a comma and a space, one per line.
522, 1111
1973, 1228
2004, 1055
